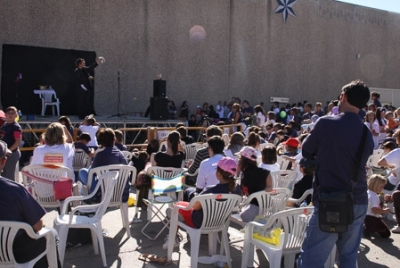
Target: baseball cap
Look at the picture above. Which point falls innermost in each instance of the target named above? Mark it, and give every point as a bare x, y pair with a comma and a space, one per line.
248, 152
4, 151
292, 142
307, 162
227, 164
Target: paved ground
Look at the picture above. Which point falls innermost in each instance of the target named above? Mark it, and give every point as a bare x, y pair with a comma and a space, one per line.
124, 252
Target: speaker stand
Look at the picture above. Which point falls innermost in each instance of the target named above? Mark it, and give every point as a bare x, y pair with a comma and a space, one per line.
118, 114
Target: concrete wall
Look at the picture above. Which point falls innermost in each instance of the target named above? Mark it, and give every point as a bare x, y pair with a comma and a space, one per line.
248, 50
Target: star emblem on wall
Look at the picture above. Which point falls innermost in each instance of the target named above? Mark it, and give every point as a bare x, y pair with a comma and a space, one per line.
286, 8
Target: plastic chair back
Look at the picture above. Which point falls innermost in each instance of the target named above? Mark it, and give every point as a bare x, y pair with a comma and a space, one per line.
283, 178
8, 231
81, 160
43, 192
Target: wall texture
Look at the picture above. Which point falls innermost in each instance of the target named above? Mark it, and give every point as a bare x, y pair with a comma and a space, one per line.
248, 50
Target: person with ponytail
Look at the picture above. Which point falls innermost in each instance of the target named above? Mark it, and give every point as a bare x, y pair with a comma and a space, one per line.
172, 157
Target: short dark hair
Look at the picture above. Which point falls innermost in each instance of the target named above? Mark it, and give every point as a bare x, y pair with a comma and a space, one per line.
217, 144
119, 135
78, 61
84, 137
106, 137
357, 93
182, 131
269, 155
213, 130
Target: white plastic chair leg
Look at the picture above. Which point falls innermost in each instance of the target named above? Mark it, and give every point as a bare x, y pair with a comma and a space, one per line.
194, 249
289, 260
62, 236
212, 243
225, 248
125, 218
99, 232
95, 240
248, 254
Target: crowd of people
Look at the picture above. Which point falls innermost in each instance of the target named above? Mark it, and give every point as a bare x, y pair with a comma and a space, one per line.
315, 142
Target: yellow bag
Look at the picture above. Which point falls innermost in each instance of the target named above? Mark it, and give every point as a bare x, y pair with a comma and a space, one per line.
271, 238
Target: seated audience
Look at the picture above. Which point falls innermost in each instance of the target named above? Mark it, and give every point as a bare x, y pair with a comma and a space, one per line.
307, 168
254, 179
207, 176
119, 142
17, 204
108, 154
374, 221
55, 150
269, 159
90, 126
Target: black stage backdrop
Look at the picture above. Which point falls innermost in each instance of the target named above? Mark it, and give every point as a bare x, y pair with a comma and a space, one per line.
24, 68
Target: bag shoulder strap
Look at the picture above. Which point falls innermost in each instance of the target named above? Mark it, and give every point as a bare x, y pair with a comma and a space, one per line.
359, 153
33, 177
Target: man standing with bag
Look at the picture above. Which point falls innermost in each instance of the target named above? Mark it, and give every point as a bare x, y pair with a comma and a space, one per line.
334, 143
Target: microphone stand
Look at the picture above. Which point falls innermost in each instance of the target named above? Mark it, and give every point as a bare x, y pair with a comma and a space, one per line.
119, 115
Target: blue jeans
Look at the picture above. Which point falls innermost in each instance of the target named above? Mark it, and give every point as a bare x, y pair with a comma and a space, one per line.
83, 178
318, 244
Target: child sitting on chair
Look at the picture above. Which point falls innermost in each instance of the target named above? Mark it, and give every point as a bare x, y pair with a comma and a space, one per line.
90, 126
82, 143
373, 221
225, 172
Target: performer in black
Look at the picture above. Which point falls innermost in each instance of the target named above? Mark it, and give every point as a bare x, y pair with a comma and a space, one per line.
84, 77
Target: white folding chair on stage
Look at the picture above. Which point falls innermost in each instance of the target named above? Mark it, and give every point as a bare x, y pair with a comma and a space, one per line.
217, 209
50, 99
67, 220
8, 232
293, 222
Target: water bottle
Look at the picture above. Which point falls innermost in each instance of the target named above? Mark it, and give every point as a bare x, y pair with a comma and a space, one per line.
221, 264
303, 204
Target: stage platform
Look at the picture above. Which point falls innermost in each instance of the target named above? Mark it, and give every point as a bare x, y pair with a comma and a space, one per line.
134, 127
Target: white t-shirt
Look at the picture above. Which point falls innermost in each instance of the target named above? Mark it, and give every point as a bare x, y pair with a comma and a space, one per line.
373, 202
220, 110
62, 154
262, 119
374, 127
92, 130
393, 158
207, 172
270, 167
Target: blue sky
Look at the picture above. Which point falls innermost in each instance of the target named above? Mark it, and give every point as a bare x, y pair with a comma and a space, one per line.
389, 5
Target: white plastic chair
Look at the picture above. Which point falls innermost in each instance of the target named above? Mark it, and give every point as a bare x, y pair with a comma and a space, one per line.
268, 203
72, 220
298, 201
125, 172
216, 211
283, 179
81, 160
372, 162
283, 162
128, 155
50, 99
191, 150
293, 222
8, 231
43, 192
